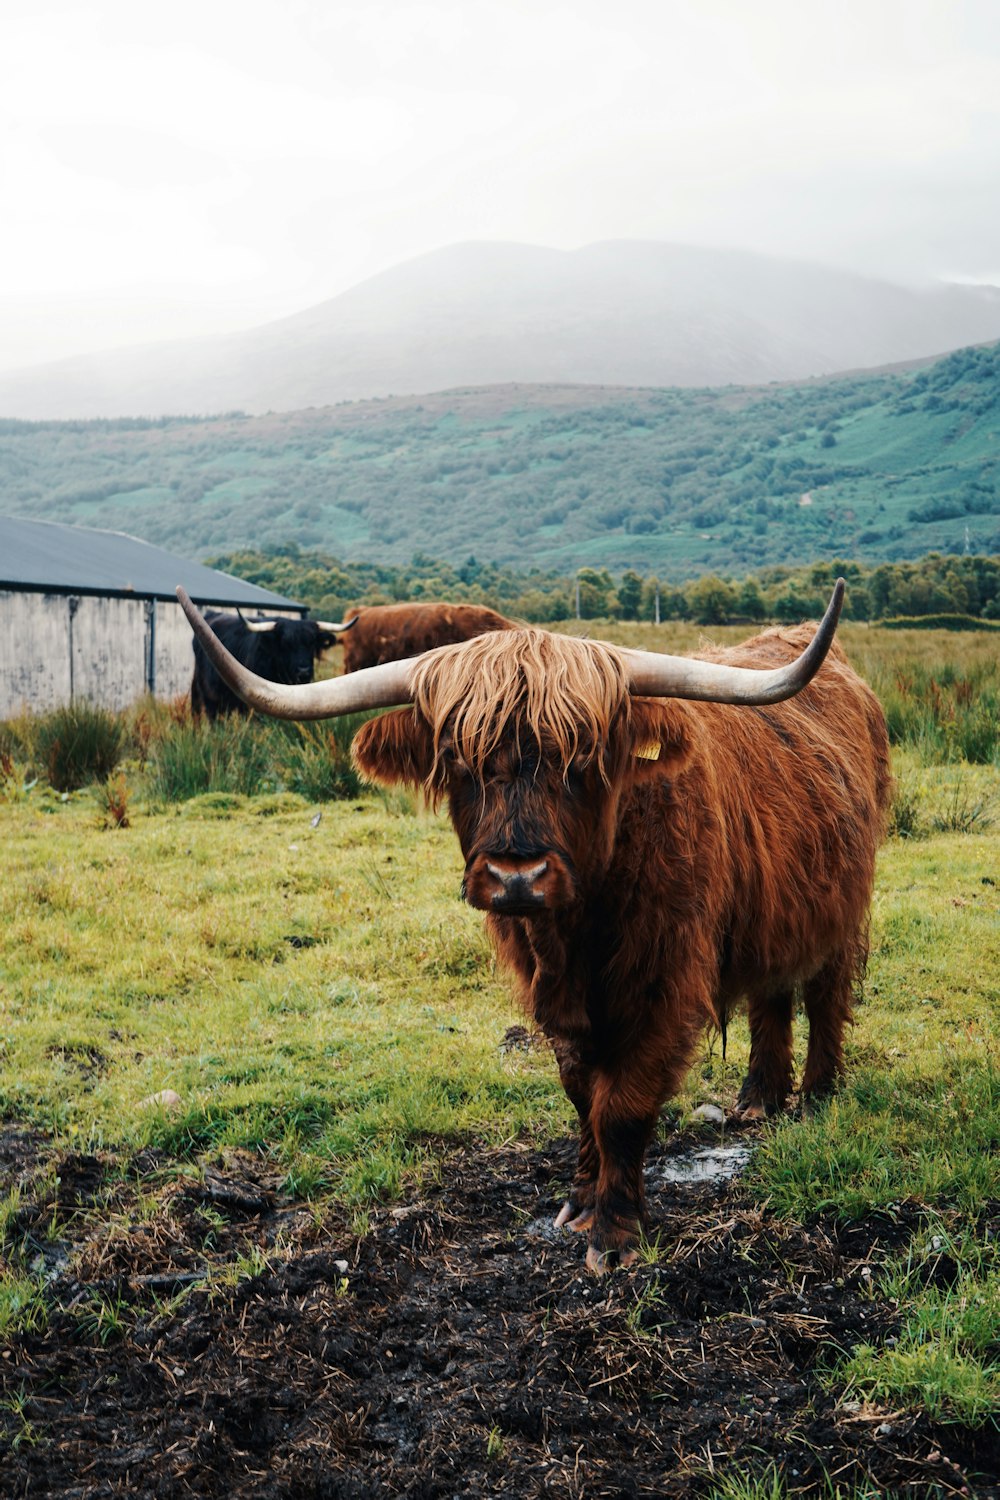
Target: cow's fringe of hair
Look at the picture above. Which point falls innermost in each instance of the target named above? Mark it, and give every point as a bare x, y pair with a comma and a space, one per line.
565, 692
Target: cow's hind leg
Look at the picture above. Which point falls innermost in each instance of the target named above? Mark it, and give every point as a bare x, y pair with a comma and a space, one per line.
827, 997
577, 1079
769, 1075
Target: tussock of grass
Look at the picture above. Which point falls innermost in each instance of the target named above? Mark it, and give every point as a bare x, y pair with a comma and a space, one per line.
76, 745
945, 1356
770, 1484
22, 1305
229, 755
316, 763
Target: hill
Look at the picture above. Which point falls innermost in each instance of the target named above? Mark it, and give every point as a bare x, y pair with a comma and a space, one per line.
673, 481
623, 313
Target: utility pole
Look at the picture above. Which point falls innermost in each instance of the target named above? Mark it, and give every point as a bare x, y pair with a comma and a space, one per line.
578, 596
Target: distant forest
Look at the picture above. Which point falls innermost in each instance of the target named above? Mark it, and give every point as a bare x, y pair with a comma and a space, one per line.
939, 589
669, 482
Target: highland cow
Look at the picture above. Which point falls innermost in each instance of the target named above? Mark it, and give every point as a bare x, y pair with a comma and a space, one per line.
391, 632
652, 839
282, 650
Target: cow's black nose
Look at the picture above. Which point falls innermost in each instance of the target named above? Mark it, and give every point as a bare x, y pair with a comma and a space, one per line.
517, 886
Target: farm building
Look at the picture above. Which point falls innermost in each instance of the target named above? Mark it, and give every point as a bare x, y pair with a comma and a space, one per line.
92, 614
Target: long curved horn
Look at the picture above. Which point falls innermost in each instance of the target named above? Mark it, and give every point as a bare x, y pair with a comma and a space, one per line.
334, 628
656, 676
260, 627
651, 675
385, 686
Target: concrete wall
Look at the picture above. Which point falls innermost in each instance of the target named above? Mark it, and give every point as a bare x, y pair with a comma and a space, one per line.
54, 649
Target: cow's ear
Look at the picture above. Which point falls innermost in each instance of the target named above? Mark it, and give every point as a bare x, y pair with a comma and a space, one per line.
394, 747
660, 742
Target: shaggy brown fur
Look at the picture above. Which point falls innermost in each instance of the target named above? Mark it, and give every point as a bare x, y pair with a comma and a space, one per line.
392, 632
638, 899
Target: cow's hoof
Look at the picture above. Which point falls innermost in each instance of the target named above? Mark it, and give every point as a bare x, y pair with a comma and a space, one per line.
600, 1262
572, 1216
746, 1114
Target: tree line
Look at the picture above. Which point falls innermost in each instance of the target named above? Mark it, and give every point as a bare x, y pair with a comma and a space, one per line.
938, 584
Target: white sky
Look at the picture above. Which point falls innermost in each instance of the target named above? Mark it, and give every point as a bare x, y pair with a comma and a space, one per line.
203, 166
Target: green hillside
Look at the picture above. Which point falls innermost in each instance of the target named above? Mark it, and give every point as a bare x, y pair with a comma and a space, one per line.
678, 482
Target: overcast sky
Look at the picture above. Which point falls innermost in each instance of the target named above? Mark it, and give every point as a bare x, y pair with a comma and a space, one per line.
207, 165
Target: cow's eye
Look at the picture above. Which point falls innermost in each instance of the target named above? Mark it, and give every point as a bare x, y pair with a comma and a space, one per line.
452, 763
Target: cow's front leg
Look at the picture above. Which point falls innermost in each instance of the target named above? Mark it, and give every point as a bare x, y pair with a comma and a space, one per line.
578, 1080
625, 1105
624, 1112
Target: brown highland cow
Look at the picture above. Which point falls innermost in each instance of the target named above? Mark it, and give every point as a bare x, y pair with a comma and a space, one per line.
653, 839
392, 632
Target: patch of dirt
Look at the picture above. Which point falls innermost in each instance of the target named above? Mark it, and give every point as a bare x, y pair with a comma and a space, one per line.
462, 1350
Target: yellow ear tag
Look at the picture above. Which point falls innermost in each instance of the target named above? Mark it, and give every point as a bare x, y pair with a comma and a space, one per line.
649, 752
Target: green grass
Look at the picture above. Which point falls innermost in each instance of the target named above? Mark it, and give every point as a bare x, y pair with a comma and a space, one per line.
22, 1304
230, 755
946, 1356
318, 992
920, 1113
769, 1484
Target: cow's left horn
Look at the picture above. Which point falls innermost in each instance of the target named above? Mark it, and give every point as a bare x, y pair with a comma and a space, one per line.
332, 626
259, 627
384, 686
655, 676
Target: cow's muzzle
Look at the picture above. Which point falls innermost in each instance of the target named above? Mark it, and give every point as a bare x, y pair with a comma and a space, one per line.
517, 885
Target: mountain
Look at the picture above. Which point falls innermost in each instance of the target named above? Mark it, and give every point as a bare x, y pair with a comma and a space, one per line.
676, 482
624, 313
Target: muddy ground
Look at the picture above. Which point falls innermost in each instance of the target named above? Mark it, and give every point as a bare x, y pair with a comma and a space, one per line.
207, 1340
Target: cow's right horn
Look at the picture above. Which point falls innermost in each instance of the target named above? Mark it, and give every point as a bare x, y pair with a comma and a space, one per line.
654, 676
333, 627
384, 686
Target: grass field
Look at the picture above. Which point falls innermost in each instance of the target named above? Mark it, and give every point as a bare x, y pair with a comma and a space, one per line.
324, 1006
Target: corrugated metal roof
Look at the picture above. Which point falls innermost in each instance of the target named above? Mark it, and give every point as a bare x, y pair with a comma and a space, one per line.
48, 557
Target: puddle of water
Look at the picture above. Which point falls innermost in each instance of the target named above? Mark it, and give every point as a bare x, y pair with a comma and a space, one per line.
702, 1164
543, 1228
